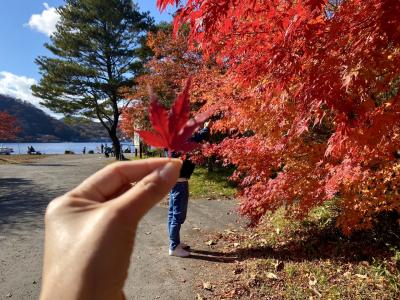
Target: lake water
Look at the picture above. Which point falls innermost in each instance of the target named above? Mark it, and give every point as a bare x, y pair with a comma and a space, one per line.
60, 148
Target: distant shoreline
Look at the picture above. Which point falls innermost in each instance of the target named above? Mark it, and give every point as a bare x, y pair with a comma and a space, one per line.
64, 147
56, 142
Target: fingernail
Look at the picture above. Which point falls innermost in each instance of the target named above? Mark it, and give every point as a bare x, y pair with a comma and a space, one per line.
171, 170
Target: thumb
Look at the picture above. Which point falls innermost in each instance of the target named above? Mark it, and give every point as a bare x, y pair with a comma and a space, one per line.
150, 190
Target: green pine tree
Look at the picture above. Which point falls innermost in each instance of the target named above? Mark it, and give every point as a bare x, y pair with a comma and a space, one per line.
97, 49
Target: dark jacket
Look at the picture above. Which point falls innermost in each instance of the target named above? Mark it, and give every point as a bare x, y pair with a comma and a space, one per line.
188, 166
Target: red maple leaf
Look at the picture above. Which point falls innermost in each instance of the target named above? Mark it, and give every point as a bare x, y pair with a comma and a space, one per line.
173, 130
162, 4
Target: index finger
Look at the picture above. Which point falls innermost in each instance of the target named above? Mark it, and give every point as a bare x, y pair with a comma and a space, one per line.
112, 179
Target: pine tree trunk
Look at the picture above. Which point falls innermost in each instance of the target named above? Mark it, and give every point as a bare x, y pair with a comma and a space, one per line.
116, 145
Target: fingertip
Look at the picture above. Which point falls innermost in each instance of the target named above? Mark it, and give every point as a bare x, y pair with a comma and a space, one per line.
178, 162
170, 171
137, 201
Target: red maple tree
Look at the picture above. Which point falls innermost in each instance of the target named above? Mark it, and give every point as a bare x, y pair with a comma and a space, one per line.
8, 126
313, 102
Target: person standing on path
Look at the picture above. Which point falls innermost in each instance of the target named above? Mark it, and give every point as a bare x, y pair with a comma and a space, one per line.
84, 150
179, 199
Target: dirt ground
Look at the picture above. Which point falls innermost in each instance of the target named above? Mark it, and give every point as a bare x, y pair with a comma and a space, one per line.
26, 189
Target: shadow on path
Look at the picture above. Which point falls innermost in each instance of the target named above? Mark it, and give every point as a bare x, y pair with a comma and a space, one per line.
46, 165
21, 203
213, 256
320, 244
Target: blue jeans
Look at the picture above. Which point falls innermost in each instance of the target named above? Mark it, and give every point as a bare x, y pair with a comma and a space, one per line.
178, 203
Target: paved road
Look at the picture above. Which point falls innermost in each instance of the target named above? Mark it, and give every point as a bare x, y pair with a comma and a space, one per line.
25, 191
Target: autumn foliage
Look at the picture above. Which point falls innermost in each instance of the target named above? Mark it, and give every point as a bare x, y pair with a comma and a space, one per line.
166, 71
8, 126
172, 64
313, 102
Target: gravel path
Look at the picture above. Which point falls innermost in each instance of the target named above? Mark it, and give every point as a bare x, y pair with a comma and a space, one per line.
26, 189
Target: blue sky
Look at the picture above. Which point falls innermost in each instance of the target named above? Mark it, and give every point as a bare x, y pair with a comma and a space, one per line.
25, 25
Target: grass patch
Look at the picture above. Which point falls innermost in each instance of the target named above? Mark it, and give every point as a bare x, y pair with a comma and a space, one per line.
309, 259
206, 184
211, 185
19, 158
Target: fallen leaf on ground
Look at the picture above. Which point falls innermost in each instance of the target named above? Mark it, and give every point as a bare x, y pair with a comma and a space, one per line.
271, 275
312, 281
361, 276
207, 286
198, 297
210, 243
347, 274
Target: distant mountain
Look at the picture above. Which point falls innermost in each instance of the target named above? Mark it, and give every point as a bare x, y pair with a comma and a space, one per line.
87, 129
37, 126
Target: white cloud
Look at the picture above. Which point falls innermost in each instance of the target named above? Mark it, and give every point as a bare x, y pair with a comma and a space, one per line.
20, 87
17, 86
46, 21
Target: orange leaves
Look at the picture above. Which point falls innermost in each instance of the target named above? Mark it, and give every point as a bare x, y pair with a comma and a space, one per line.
378, 191
172, 63
132, 119
308, 99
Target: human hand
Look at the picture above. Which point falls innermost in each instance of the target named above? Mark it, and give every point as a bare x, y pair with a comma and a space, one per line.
90, 231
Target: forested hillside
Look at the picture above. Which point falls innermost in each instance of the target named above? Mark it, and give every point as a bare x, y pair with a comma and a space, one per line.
37, 126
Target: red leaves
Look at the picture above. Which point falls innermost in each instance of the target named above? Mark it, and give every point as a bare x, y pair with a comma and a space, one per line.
173, 131
162, 4
8, 126
316, 4
309, 101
